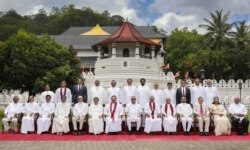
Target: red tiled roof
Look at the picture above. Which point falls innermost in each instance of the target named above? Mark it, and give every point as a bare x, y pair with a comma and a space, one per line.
126, 34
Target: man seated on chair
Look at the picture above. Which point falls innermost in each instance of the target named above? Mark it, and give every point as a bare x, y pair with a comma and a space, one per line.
202, 112
61, 119
133, 112
113, 112
45, 114
11, 114
79, 114
239, 117
29, 113
169, 120
95, 117
153, 116
185, 111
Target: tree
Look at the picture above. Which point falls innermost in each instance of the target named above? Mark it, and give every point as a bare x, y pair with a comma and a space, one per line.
28, 62
218, 27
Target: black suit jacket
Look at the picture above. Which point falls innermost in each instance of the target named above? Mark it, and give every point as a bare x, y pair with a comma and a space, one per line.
83, 92
179, 95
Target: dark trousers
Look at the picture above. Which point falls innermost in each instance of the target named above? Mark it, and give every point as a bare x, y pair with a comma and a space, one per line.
240, 127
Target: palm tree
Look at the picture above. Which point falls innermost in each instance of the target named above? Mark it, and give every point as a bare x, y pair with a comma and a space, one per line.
217, 27
242, 34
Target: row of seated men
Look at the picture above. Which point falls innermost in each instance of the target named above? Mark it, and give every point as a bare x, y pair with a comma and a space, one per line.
152, 117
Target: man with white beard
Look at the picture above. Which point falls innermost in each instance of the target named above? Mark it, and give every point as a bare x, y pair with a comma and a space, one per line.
142, 94
113, 90
30, 110
169, 120
170, 92
210, 92
97, 91
63, 91
113, 112
157, 93
153, 121
185, 111
129, 90
196, 92
79, 114
133, 112
61, 119
46, 111
46, 92
95, 117
11, 114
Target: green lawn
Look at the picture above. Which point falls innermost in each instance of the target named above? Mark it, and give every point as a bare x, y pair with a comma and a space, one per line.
1, 116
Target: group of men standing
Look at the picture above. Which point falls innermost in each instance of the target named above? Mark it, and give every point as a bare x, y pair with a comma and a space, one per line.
148, 108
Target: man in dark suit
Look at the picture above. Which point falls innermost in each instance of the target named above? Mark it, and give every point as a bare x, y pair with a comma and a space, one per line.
80, 89
183, 91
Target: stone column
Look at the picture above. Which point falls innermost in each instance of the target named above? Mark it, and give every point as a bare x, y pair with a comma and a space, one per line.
152, 52
137, 50
99, 48
113, 47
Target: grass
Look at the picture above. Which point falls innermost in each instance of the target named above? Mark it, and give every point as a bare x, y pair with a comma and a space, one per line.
1, 116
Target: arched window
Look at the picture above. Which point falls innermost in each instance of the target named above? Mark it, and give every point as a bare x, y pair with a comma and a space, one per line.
125, 64
125, 52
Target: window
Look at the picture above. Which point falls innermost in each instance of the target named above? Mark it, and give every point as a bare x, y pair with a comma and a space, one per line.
125, 64
125, 52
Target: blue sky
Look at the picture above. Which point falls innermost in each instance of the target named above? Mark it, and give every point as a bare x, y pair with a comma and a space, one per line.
166, 14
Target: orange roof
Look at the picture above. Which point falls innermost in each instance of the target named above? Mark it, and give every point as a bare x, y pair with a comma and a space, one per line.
126, 34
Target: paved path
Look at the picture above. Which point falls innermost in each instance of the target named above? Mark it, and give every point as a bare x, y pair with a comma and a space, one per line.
145, 145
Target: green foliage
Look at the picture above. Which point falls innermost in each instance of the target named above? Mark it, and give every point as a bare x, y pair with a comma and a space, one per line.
54, 22
28, 62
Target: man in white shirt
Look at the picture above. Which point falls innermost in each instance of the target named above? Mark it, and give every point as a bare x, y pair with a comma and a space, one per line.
114, 90
11, 114
113, 112
170, 92
169, 120
61, 119
239, 117
196, 92
46, 92
79, 114
153, 122
46, 111
143, 93
185, 111
63, 91
129, 90
97, 91
210, 92
30, 111
157, 93
202, 112
95, 117
133, 112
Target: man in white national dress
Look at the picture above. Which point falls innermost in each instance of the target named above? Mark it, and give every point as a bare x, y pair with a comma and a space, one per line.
46, 92
196, 92
133, 112
45, 114
153, 120
79, 114
114, 90
157, 93
210, 92
63, 91
185, 111
11, 114
169, 118
61, 119
170, 92
97, 91
113, 112
30, 111
129, 90
95, 117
